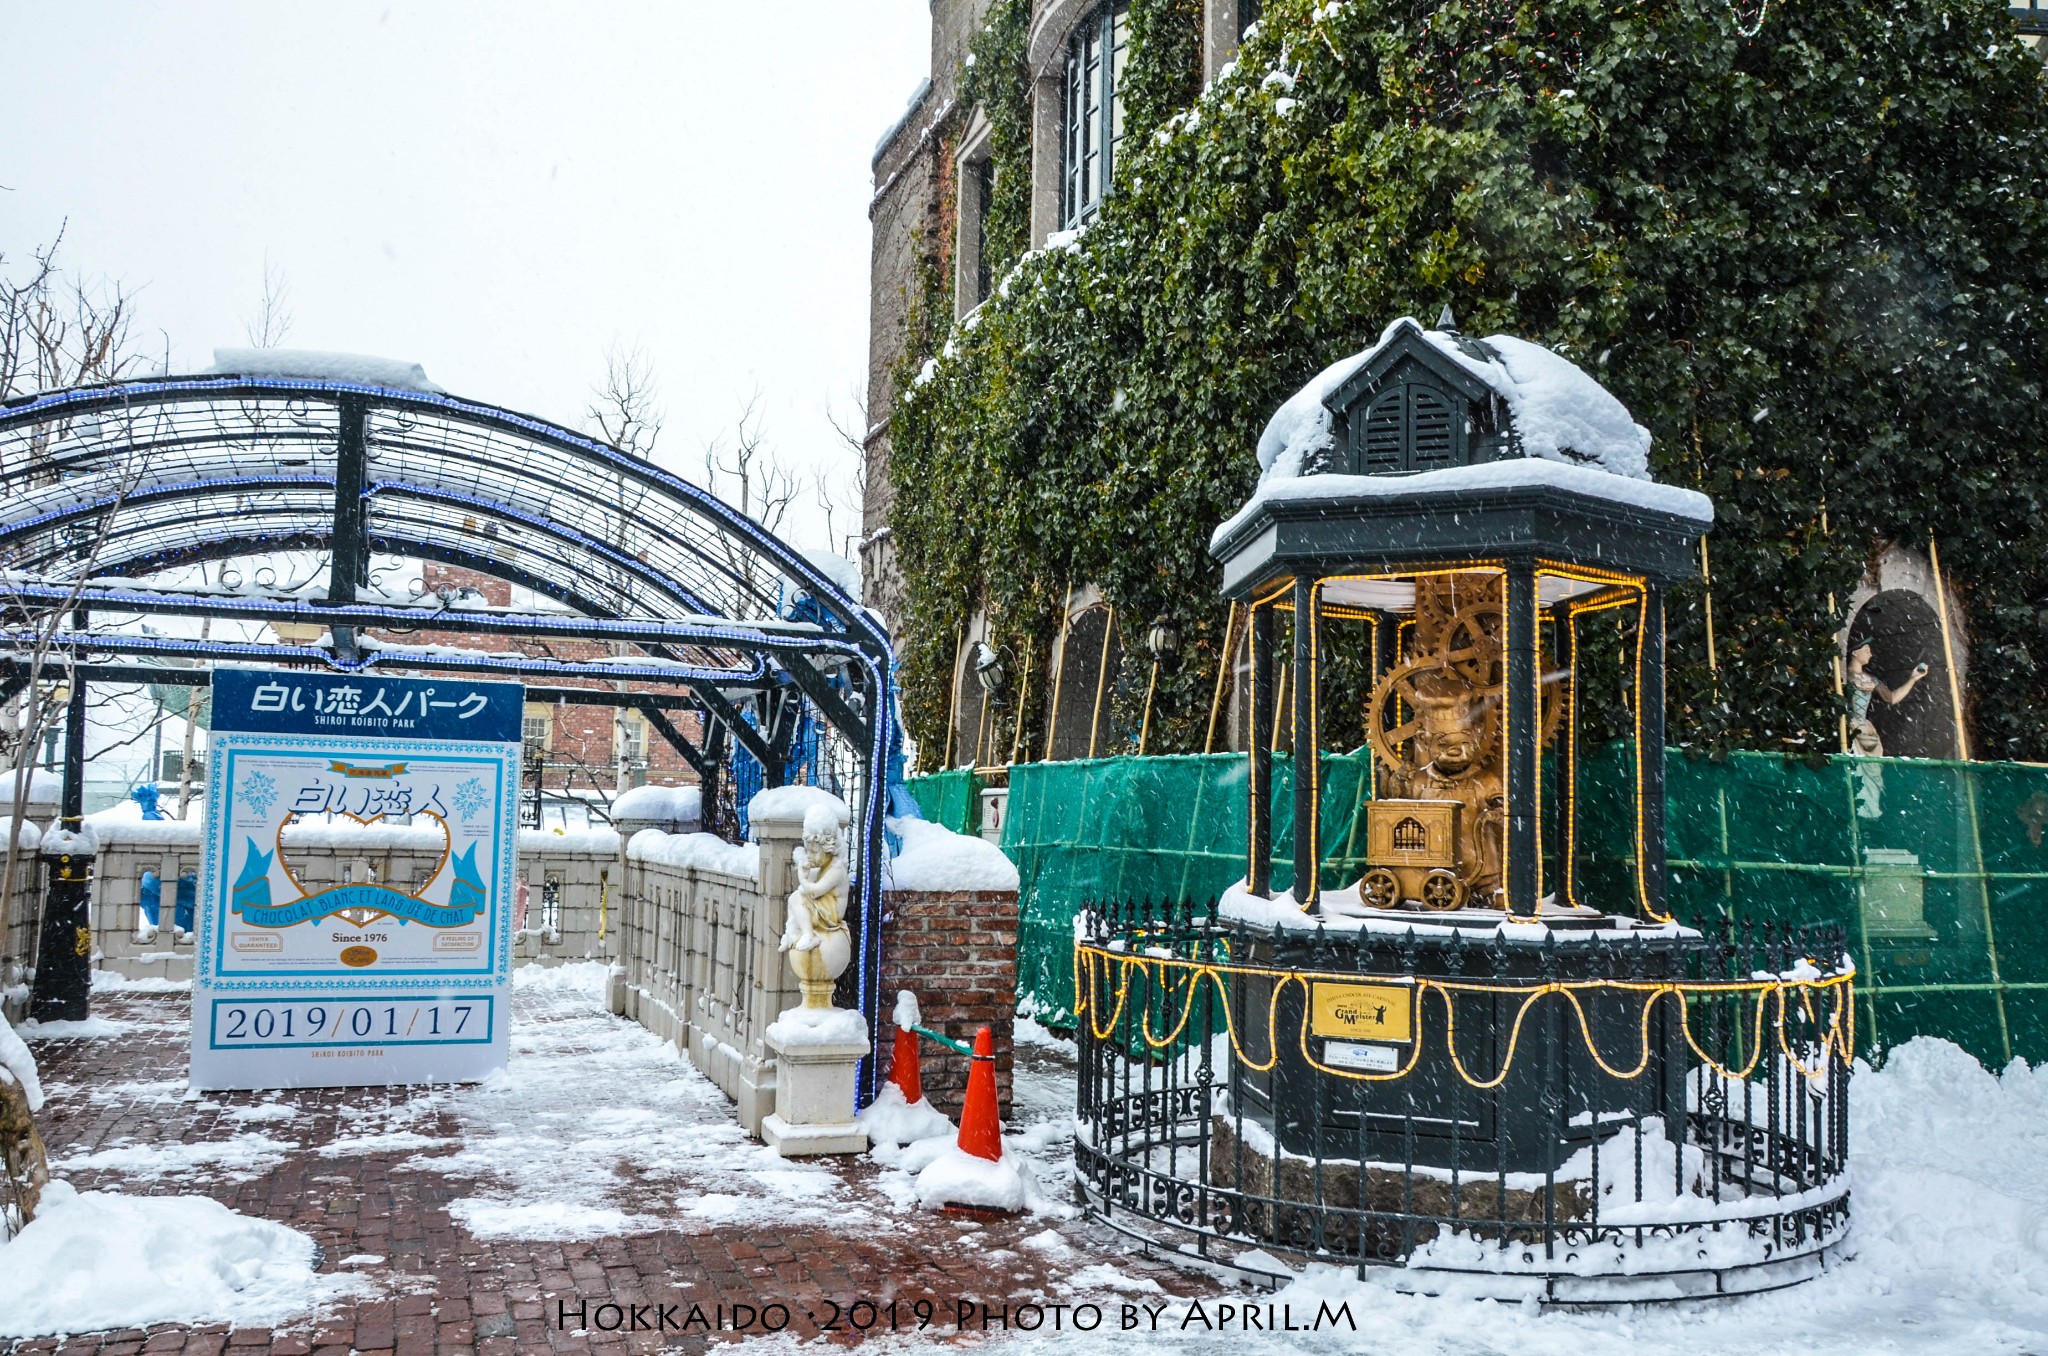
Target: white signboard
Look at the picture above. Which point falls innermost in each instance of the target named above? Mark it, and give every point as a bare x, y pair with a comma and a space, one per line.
308, 976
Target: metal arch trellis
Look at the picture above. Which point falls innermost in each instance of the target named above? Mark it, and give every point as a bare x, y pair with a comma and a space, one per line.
102, 484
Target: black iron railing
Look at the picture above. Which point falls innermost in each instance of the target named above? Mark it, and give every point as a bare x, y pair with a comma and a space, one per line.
1615, 1113
2031, 18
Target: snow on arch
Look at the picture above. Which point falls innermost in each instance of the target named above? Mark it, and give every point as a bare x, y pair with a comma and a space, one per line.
315, 365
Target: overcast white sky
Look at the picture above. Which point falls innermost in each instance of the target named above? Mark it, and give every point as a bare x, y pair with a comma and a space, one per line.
497, 190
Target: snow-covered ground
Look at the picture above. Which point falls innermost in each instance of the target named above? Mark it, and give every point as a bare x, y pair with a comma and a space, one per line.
1950, 1244
1950, 1234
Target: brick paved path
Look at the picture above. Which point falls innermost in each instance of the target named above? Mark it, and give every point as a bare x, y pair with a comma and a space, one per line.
385, 1193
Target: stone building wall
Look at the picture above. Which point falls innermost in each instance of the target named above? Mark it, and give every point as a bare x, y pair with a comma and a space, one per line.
911, 216
916, 221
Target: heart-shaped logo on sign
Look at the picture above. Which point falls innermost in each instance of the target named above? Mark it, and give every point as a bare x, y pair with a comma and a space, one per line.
357, 913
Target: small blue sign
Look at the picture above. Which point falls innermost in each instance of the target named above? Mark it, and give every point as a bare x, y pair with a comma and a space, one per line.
361, 705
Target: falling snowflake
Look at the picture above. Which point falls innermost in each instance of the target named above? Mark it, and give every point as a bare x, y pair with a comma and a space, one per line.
470, 797
259, 791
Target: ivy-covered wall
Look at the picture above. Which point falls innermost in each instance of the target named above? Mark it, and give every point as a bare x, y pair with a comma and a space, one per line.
1808, 255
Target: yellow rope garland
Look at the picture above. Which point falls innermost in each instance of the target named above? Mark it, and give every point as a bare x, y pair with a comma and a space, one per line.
1093, 964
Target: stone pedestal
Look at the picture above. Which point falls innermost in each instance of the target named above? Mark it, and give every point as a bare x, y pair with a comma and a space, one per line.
814, 1099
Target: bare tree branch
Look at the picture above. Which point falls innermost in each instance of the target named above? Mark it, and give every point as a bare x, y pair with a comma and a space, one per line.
272, 320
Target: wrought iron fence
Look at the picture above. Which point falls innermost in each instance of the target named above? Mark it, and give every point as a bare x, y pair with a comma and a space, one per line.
1607, 1114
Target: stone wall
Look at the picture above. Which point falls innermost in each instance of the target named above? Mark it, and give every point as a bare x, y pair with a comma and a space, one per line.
576, 885
20, 912
957, 951
701, 966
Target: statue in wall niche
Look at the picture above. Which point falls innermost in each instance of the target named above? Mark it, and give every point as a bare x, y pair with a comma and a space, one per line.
814, 934
1864, 738
1863, 685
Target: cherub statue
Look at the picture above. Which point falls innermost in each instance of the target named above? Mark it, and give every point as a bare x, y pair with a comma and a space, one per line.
814, 935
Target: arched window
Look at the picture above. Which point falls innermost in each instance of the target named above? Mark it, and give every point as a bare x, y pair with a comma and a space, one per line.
1094, 111
1089, 660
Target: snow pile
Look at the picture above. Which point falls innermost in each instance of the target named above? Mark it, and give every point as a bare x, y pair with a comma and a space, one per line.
793, 804
45, 787
839, 572
240, 1158
1239, 905
1028, 1031
702, 851
1300, 428
892, 1123
97, 1260
59, 841
1574, 435
818, 1026
113, 981
354, 369
664, 804
17, 1065
956, 1177
936, 858
124, 823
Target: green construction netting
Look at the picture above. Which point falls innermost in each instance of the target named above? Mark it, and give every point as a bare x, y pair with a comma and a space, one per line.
948, 798
1938, 871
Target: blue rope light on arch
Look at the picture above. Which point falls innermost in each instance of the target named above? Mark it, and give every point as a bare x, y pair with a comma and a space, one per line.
866, 642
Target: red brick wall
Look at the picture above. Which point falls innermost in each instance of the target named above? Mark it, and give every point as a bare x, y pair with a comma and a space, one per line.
957, 951
585, 740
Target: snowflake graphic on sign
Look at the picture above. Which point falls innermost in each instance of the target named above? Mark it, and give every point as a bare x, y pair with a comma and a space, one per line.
470, 798
260, 791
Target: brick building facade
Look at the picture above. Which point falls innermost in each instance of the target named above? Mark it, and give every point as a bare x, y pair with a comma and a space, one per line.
576, 748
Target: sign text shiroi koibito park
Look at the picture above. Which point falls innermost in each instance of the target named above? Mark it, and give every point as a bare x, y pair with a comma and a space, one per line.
312, 969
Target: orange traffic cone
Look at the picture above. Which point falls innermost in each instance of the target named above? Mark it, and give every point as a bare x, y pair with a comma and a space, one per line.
903, 1070
981, 1127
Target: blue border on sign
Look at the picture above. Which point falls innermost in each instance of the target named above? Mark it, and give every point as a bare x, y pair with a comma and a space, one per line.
213, 1041
213, 873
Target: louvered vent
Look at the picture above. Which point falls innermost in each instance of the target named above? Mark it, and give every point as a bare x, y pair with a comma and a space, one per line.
1380, 449
1432, 421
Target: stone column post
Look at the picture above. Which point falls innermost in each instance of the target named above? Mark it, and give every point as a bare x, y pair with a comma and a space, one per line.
769, 986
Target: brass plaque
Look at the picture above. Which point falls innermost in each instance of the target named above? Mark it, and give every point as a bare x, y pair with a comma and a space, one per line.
1363, 1012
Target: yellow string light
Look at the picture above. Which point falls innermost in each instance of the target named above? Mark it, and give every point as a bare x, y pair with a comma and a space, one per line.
1092, 964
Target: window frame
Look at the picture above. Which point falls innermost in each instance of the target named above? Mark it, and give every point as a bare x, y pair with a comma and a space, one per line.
545, 715
631, 742
1091, 124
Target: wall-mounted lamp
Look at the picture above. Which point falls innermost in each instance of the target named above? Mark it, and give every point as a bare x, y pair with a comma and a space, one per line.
988, 669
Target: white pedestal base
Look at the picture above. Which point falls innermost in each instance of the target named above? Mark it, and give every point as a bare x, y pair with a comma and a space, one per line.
814, 1099
797, 1141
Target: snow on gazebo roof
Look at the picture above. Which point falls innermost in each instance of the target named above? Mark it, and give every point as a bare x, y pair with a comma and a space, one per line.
1559, 412
1566, 430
